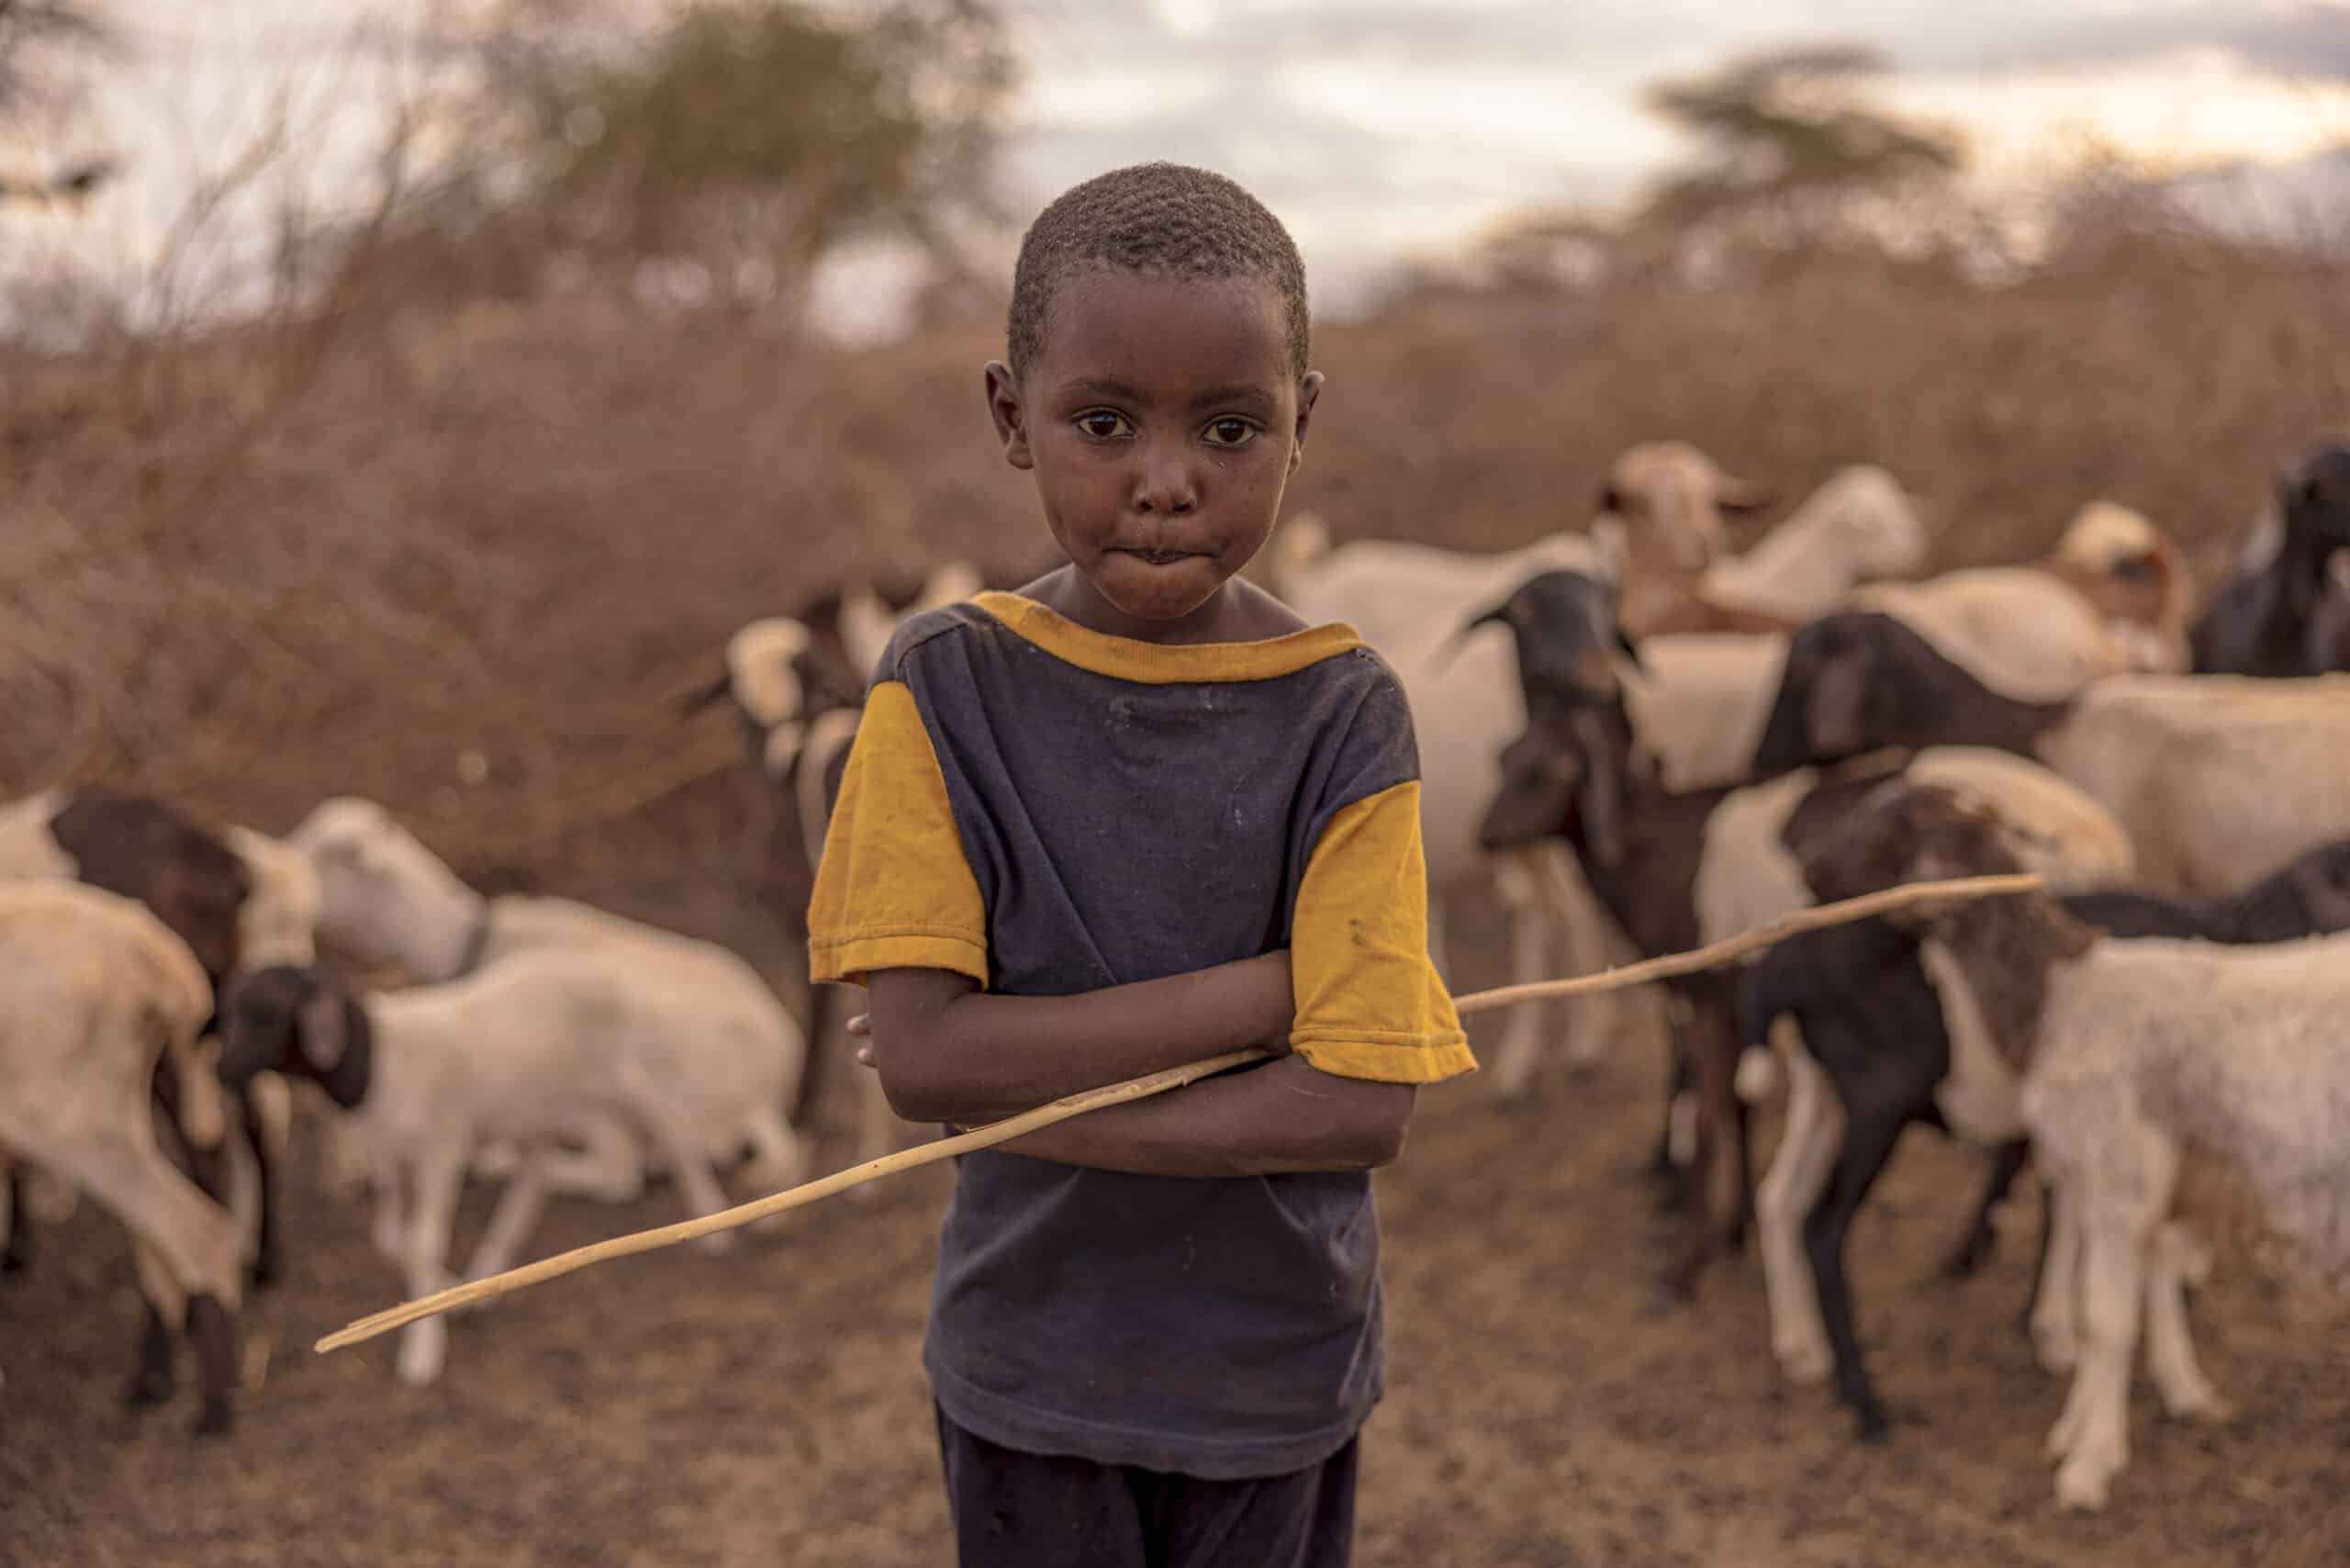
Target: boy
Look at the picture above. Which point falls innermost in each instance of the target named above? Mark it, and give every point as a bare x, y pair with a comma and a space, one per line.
1136, 814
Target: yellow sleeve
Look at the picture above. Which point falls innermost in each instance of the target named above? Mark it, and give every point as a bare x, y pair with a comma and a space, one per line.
893, 891
1368, 1002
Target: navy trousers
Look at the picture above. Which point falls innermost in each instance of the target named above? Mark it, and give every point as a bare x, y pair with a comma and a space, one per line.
1025, 1510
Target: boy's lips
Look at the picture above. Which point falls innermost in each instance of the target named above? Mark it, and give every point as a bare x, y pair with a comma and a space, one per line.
1157, 558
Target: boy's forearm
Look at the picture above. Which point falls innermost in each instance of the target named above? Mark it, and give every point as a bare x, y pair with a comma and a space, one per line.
1284, 1117
948, 1052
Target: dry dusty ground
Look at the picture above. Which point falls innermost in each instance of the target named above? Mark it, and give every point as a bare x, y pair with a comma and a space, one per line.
768, 1408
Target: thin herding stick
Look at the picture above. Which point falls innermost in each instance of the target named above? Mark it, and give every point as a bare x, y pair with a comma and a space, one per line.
1712, 956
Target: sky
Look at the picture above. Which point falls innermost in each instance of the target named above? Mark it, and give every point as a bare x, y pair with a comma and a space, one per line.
1386, 129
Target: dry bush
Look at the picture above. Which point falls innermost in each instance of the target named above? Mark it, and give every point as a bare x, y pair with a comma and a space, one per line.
519, 531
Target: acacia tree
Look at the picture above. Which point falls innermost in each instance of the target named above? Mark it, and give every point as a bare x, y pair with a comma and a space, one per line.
1791, 152
725, 151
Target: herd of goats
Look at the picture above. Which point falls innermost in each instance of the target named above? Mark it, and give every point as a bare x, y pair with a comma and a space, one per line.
1633, 737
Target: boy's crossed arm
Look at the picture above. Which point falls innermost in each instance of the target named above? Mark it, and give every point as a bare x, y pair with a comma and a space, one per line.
949, 1052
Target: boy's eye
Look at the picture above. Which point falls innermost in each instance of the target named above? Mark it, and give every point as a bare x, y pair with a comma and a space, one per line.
1230, 433
1104, 424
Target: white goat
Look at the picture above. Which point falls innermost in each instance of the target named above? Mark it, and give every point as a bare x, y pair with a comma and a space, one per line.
1859, 526
188, 872
97, 992
2112, 597
527, 1049
390, 903
2145, 1063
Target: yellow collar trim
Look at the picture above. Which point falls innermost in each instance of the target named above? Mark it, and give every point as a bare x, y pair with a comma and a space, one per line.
1165, 664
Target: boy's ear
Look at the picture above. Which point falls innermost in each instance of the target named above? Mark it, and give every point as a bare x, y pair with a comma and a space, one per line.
1309, 387
1011, 416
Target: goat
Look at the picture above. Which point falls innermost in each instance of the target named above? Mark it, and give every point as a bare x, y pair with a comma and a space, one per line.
2209, 773
1677, 868
236, 897
2148, 1067
1859, 526
2111, 598
524, 1049
1883, 1044
390, 903
2109, 595
2292, 575
100, 996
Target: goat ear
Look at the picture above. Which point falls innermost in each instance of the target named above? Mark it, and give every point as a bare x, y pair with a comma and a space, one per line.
1835, 707
1536, 797
1499, 615
322, 1029
1609, 500
1630, 649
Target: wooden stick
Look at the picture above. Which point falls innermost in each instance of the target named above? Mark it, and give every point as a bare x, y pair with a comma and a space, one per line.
777, 1203
1716, 954
1709, 957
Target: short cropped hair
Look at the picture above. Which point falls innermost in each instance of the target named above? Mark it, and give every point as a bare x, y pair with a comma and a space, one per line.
1162, 218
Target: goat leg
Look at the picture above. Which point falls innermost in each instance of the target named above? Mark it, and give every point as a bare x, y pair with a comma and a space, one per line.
265, 1269
1870, 1135
151, 1381
213, 1328
17, 1256
2006, 1164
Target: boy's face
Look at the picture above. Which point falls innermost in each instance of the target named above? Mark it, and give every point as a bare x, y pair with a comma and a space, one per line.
1161, 420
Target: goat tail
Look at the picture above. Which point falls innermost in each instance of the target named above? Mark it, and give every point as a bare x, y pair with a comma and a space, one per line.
1302, 539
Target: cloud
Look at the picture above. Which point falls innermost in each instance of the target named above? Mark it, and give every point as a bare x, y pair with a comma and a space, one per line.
2300, 37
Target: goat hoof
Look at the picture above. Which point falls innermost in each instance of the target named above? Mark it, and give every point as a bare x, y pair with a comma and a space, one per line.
148, 1390
264, 1272
1806, 1366
2207, 1406
1871, 1427
215, 1421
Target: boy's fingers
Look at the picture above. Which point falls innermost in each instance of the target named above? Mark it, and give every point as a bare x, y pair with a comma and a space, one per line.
865, 1055
860, 1023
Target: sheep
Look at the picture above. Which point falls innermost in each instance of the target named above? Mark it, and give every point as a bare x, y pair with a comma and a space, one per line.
1681, 868
1876, 1054
2111, 598
390, 903
522, 1050
100, 996
2292, 574
142, 849
2209, 773
236, 896
2108, 595
2147, 1065
1859, 526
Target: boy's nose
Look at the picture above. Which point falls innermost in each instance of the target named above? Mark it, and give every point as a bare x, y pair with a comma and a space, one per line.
1166, 487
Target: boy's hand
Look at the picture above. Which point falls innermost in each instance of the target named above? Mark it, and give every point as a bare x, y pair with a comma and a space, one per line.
860, 1026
